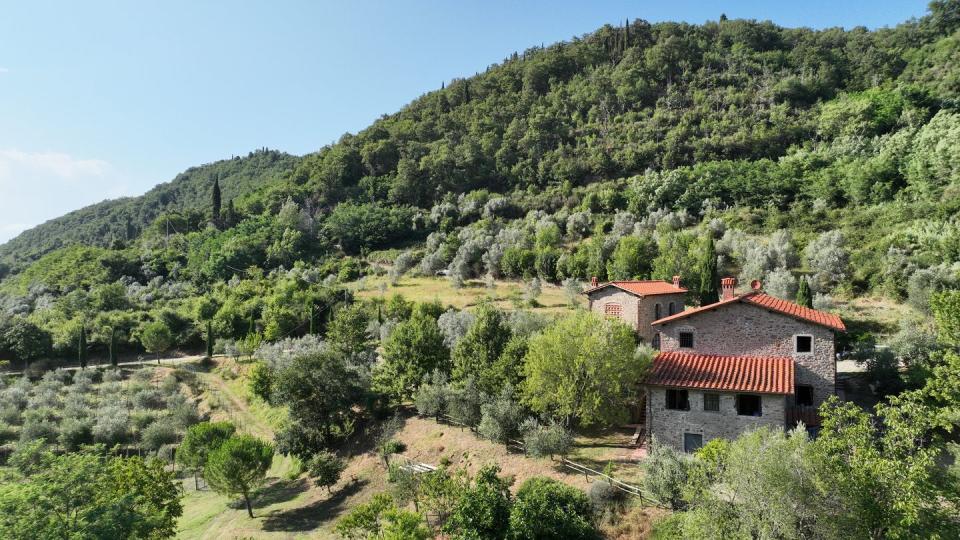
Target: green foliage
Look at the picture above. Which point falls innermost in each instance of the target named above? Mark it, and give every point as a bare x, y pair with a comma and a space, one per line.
631, 258
362, 227
709, 285
156, 337
414, 349
238, 466
545, 508
200, 440
946, 313
477, 352
665, 474
583, 368
260, 381
91, 495
325, 468
380, 518
804, 295
546, 440
347, 331
320, 390
483, 507
500, 417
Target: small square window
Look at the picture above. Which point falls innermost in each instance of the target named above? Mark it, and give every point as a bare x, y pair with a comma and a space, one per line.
686, 340
803, 395
711, 402
677, 400
749, 405
692, 442
803, 344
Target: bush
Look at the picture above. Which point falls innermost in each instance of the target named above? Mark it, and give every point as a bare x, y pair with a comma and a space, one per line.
261, 381
607, 501
325, 468
159, 433
112, 425
543, 441
74, 433
500, 419
148, 398
665, 474
431, 397
546, 508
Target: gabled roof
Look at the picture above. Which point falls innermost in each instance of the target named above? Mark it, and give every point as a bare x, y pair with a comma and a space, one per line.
765, 301
640, 288
758, 374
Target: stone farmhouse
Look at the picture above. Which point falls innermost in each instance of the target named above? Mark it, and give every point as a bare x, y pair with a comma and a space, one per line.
746, 361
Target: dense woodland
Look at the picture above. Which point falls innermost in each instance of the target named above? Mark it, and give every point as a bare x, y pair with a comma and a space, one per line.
824, 163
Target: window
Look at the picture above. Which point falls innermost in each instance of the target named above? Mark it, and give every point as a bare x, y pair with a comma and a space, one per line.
656, 312
803, 394
692, 442
749, 405
677, 400
686, 340
670, 309
711, 402
612, 310
803, 344
656, 341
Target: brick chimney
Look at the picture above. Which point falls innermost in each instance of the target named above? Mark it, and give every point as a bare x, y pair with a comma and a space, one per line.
727, 285
676, 281
594, 281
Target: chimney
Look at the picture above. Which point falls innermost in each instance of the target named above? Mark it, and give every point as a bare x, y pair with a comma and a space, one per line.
593, 281
727, 285
676, 281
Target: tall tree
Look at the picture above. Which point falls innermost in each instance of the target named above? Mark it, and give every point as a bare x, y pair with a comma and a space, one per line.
82, 347
215, 213
709, 281
804, 298
113, 348
478, 351
414, 350
199, 441
209, 339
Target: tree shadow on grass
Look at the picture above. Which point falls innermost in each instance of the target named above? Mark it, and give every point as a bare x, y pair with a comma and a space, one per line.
309, 517
280, 491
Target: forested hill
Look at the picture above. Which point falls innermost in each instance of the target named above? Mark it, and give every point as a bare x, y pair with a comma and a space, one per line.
122, 220
636, 130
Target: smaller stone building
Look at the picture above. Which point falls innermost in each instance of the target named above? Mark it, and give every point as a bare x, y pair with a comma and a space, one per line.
637, 303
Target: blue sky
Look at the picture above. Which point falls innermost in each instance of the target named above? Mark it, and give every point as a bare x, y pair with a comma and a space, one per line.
106, 99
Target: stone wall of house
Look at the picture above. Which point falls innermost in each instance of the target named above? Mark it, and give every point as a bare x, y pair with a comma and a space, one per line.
748, 330
635, 311
669, 426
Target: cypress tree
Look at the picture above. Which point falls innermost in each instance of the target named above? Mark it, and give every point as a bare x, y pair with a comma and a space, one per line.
804, 298
209, 339
113, 347
311, 312
216, 202
82, 348
230, 215
707, 266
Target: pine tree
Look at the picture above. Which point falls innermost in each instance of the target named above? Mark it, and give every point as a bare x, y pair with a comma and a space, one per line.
113, 347
209, 339
216, 202
804, 298
709, 283
82, 348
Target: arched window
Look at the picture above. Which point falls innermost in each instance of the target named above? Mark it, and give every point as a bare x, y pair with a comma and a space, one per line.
656, 311
670, 309
656, 341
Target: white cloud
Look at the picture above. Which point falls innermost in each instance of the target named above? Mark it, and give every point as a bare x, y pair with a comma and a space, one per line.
50, 163
37, 186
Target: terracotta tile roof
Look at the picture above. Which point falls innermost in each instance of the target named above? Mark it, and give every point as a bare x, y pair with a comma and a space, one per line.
640, 288
762, 375
766, 301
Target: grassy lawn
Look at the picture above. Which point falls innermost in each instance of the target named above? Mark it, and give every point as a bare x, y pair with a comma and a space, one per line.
506, 294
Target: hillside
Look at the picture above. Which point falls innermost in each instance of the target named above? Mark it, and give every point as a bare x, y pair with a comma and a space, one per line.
125, 219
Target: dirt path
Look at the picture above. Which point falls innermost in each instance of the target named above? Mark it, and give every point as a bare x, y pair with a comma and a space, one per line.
235, 408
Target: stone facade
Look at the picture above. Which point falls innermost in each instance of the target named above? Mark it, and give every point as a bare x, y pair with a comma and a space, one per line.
636, 311
669, 426
744, 329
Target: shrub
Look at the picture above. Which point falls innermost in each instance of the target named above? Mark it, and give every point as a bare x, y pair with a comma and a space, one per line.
607, 501
159, 433
542, 441
828, 258
546, 508
325, 468
665, 474
74, 433
148, 398
111, 425
500, 419
431, 397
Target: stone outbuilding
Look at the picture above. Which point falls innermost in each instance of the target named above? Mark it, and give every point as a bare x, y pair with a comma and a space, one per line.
637, 303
